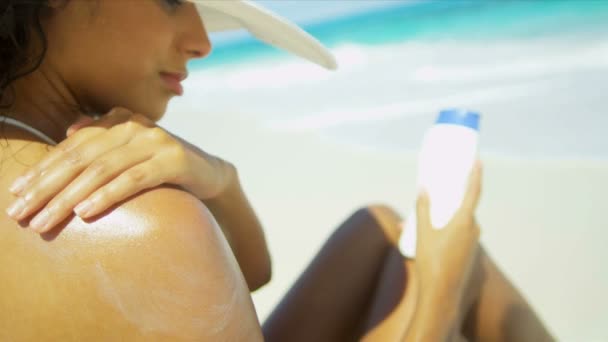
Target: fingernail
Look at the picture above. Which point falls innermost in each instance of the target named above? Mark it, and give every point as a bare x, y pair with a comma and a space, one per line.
83, 208
40, 220
16, 208
18, 185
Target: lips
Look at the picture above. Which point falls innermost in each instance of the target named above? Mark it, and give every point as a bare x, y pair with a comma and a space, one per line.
173, 81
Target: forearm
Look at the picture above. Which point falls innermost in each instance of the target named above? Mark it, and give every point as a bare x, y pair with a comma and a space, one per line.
243, 231
434, 319
233, 213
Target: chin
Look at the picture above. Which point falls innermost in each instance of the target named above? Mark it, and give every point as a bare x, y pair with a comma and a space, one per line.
152, 110
154, 115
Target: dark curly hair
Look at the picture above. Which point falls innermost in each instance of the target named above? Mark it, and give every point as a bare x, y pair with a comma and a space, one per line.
19, 26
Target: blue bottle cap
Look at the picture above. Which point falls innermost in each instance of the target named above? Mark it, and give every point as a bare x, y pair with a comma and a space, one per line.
460, 117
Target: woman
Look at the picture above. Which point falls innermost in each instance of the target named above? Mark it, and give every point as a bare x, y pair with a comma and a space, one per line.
165, 245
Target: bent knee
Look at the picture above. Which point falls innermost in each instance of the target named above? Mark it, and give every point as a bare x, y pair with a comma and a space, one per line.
383, 217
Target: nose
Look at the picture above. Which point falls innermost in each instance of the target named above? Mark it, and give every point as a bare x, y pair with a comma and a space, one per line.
194, 40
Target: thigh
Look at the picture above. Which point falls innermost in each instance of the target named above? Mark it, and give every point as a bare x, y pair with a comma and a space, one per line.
500, 312
330, 298
394, 301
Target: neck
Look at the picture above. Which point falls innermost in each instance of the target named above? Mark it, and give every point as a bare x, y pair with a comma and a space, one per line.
44, 102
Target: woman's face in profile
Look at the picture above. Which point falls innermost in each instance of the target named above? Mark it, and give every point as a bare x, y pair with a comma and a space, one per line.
123, 52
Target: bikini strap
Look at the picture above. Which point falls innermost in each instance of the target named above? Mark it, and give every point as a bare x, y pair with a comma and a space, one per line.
28, 128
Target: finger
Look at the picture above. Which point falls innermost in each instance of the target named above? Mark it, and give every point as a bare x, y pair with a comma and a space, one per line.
22, 182
423, 215
154, 167
97, 175
104, 171
114, 117
77, 138
140, 177
120, 115
64, 170
82, 121
473, 193
476, 230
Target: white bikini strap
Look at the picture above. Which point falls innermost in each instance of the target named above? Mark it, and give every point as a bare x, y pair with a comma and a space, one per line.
28, 128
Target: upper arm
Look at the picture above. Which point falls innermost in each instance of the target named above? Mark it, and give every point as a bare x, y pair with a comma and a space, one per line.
188, 281
156, 267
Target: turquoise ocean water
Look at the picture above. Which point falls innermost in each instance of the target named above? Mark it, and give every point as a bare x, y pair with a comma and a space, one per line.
434, 20
535, 69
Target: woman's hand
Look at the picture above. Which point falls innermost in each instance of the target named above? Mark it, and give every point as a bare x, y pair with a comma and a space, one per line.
444, 262
445, 257
104, 162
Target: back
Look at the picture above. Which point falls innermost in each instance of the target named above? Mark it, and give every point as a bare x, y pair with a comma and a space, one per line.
156, 267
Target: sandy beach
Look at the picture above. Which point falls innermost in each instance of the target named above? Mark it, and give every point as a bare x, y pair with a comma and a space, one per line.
543, 222
312, 146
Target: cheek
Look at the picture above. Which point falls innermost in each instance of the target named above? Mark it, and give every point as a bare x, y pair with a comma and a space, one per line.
115, 68
109, 59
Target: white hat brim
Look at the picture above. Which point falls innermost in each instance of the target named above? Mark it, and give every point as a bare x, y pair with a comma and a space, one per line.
224, 15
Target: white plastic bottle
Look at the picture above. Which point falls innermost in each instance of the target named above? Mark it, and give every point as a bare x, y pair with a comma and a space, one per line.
446, 158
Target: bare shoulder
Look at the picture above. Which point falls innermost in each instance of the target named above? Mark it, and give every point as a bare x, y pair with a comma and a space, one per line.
181, 279
153, 267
